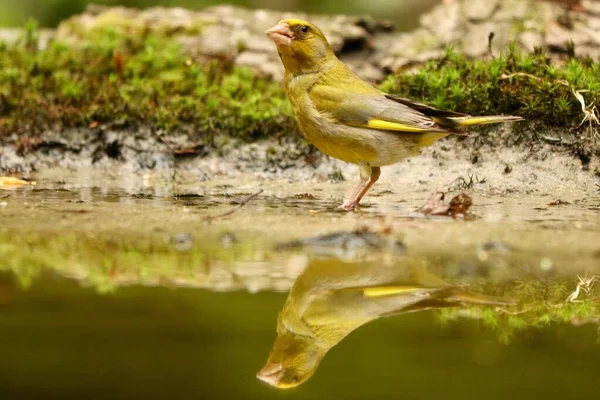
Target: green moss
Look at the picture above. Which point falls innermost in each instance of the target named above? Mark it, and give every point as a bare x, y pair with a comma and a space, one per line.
132, 77
541, 303
529, 85
106, 261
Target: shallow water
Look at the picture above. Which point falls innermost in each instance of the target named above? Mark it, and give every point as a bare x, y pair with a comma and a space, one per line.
156, 285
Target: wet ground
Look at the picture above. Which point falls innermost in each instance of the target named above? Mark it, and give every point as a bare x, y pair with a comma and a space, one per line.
156, 284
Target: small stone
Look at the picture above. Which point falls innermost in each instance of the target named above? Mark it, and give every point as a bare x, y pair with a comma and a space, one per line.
228, 239
183, 242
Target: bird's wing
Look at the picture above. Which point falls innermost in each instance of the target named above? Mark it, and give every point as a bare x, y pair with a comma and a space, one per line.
364, 303
425, 109
374, 110
361, 304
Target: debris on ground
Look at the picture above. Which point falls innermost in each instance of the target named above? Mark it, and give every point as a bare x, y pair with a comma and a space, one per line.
228, 239
240, 203
305, 196
559, 202
491, 247
343, 244
183, 241
436, 205
461, 183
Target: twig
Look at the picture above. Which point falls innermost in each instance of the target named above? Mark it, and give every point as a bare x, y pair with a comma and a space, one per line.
230, 212
4, 197
526, 75
589, 113
584, 284
551, 139
490, 40
521, 74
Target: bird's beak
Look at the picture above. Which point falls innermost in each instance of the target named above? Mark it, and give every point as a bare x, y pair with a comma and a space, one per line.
281, 34
271, 373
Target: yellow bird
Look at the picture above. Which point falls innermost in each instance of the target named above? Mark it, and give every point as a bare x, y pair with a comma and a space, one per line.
332, 298
347, 118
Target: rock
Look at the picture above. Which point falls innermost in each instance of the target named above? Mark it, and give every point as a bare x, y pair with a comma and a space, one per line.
477, 10
514, 10
475, 42
594, 23
530, 40
587, 51
371, 48
558, 36
593, 34
445, 22
591, 6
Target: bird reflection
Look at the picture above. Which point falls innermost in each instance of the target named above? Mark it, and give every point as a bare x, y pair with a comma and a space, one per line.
331, 298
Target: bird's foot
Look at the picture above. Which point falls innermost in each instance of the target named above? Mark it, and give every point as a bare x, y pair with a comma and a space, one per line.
348, 205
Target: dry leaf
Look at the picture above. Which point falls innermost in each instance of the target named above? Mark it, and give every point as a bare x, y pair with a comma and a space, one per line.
11, 182
559, 202
435, 205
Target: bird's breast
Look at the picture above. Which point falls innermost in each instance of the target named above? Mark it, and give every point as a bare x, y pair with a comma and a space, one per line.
335, 139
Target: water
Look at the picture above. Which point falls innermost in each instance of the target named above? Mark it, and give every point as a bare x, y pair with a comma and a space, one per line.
158, 285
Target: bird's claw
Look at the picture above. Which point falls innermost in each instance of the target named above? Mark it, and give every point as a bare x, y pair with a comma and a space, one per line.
348, 206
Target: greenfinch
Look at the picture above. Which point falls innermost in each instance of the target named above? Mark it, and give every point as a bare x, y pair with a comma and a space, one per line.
332, 298
347, 118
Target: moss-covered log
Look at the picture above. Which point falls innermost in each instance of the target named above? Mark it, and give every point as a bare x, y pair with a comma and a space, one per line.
148, 79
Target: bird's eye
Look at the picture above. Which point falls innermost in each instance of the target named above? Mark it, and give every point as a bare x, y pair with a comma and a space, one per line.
304, 28
295, 378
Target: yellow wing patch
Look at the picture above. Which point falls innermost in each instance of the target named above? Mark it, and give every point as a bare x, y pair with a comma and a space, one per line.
396, 126
382, 291
427, 135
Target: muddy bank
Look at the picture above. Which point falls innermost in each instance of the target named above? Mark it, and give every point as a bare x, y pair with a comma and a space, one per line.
542, 167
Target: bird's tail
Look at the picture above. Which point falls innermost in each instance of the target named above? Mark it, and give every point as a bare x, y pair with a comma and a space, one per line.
463, 122
460, 295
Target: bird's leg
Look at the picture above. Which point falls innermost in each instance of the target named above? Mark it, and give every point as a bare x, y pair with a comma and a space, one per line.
368, 176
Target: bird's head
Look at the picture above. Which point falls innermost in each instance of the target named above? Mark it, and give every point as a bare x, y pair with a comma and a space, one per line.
293, 360
302, 46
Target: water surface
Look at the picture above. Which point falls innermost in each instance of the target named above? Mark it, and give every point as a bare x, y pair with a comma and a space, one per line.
156, 285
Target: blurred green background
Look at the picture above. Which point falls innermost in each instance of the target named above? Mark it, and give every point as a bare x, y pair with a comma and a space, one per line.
51, 12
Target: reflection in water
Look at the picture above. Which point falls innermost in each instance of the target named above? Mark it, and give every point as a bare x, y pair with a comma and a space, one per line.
157, 302
331, 298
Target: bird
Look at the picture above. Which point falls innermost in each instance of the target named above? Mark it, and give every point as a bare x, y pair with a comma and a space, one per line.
333, 297
348, 118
